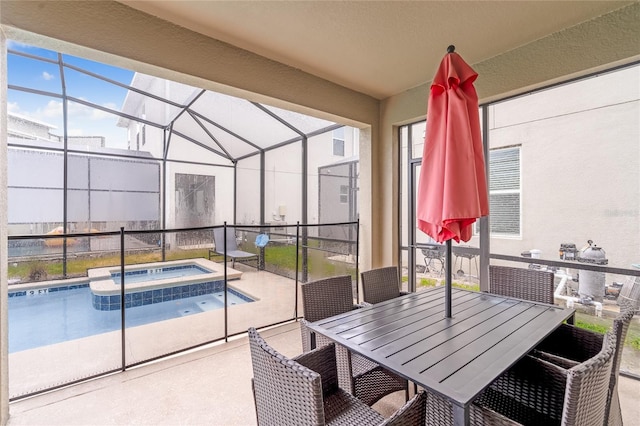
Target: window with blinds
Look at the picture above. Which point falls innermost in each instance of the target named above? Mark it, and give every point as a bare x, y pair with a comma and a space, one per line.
504, 191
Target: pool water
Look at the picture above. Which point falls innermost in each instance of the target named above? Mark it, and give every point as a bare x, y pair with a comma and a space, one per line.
154, 274
56, 317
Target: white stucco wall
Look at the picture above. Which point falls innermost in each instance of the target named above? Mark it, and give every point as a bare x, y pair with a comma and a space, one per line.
580, 162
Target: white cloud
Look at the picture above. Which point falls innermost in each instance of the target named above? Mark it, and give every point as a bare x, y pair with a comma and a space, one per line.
13, 107
52, 109
48, 76
12, 44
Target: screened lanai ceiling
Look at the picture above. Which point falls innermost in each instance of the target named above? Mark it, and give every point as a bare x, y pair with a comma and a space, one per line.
224, 128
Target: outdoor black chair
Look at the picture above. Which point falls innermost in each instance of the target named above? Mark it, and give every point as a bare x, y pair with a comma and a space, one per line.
304, 391
232, 251
363, 378
380, 284
527, 284
431, 253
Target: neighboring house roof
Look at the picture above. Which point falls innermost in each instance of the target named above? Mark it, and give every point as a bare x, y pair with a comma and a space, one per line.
352, 159
85, 148
31, 120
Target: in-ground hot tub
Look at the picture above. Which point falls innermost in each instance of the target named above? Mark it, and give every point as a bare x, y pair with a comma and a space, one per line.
157, 282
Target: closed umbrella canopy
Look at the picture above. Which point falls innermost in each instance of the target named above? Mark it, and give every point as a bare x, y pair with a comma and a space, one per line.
452, 190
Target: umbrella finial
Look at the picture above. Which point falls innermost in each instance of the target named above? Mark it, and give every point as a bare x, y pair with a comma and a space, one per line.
451, 48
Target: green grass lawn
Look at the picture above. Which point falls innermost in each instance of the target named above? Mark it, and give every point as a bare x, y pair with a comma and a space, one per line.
281, 257
602, 325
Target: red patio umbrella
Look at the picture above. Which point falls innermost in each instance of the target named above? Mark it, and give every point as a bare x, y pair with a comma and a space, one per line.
452, 190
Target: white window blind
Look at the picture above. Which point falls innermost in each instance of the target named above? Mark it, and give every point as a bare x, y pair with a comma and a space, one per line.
504, 191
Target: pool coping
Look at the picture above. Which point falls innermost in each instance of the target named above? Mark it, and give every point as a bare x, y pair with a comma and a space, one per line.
102, 283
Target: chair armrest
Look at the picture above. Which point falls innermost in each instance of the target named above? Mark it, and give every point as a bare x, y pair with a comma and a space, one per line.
323, 361
411, 413
554, 359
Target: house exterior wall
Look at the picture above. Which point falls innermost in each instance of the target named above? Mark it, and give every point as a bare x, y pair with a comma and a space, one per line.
580, 165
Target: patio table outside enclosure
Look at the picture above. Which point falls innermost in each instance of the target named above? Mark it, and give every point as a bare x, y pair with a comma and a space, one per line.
456, 357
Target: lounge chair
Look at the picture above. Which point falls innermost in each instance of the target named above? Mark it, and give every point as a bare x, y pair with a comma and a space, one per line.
231, 250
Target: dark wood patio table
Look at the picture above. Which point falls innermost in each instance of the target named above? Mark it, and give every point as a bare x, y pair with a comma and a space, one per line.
456, 357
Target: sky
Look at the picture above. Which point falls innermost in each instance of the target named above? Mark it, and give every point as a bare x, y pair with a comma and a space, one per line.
41, 72
45, 76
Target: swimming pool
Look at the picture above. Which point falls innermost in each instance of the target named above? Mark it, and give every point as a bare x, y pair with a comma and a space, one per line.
65, 310
157, 282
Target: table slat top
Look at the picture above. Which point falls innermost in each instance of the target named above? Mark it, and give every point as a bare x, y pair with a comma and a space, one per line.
455, 357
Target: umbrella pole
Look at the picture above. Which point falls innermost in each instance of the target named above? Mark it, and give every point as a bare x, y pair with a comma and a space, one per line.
447, 281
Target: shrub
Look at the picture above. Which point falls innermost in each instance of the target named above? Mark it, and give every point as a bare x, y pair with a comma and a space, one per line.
37, 271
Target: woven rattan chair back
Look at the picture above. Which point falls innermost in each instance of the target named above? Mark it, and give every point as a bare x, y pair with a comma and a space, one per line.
380, 284
304, 391
629, 296
285, 392
327, 297
526, 284
536, 392
356, 374
587, 388
620, 328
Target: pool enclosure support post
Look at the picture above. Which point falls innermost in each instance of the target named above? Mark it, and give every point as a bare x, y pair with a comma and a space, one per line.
163, 197
226, 331
263, 192
412, 171
65, 167
357, 259
485, 237
122, 302
305, 207
295, 309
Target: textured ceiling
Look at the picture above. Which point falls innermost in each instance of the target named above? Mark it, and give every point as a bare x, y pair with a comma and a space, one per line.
379, 48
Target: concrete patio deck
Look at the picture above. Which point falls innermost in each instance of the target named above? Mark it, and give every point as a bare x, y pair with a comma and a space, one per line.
208, 386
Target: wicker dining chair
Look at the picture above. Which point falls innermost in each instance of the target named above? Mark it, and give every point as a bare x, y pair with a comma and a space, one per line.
363, 378
527, 284
620, 328
380, 284
537, 392
304, 391
569, 345
629, 296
